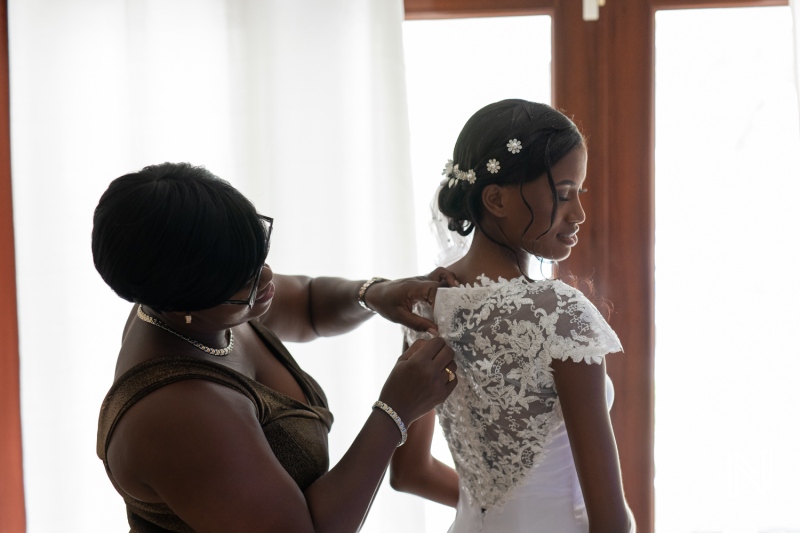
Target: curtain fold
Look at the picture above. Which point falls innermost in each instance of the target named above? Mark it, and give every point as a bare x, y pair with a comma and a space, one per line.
301, 105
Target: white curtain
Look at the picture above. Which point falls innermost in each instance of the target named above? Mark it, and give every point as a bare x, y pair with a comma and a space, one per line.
300, 104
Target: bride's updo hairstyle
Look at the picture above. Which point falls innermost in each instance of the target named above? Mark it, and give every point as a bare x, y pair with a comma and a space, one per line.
176, 238
543, 136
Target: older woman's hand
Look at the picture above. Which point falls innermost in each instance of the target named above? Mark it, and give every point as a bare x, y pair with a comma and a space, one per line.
419, 381
394, 300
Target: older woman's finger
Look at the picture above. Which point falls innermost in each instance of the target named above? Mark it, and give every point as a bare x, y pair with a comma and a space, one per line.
442, 275
415, 322
414, 348
436, 350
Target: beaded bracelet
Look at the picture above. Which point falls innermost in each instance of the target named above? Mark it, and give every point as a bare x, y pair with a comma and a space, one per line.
362, 292
389, 411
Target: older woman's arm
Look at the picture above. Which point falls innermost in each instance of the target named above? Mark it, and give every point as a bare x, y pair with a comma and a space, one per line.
198, 447
305, 308
416, 471
308, 308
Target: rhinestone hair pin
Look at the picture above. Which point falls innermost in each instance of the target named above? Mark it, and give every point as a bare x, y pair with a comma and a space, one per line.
454, 174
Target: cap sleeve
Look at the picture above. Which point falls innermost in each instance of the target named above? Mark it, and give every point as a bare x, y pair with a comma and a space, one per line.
577, 330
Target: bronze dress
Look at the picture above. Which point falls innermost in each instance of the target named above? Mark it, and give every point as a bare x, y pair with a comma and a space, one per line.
296, 432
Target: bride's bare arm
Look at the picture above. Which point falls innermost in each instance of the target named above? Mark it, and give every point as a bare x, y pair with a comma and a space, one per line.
582, 393
416, 471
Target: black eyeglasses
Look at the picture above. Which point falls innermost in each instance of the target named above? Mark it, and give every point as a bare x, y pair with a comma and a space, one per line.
254, 289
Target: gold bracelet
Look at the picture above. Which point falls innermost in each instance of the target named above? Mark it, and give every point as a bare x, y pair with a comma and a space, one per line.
389, 411
362, 292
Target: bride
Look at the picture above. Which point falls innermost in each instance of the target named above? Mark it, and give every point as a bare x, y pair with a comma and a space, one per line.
528, 424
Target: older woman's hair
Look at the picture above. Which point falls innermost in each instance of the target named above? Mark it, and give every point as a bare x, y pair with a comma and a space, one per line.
543, 136
176, 237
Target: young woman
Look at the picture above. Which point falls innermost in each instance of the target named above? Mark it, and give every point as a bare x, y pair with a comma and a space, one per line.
210, 425
528, 425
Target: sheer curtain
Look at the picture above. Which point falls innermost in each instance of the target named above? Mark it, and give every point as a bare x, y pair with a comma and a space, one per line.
300, 104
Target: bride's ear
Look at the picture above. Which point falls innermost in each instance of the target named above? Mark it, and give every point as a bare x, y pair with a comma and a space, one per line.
494, 200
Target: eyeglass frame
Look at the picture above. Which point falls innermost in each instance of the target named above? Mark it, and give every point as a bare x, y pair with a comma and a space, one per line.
254, 290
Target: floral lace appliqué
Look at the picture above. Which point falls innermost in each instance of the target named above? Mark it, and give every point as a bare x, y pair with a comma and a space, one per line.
505, 334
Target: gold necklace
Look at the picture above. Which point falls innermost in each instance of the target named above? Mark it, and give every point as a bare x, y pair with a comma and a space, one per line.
213, 351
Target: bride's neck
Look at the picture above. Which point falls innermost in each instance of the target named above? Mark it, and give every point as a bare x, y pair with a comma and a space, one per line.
488, 258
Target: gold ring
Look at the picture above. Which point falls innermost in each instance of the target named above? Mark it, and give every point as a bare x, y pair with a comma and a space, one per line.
450, 374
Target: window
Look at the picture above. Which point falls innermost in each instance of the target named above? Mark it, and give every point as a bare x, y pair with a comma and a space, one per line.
453, 68
447, 81
727, 168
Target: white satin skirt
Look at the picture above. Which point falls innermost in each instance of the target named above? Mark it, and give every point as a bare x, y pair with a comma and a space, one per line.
548, 501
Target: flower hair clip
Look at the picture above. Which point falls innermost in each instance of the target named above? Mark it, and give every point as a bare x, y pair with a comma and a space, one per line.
452, 171
453, 174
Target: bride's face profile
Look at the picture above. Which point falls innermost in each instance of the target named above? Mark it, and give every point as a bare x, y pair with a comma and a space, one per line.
554, 242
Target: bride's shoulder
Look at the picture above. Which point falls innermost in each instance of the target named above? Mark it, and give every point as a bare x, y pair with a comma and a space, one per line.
544, 288
516, 296
504, 295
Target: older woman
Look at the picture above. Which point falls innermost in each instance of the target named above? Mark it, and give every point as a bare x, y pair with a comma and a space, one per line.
210, 424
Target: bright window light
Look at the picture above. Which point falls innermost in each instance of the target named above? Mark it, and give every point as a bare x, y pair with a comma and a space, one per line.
453, 68
727, 183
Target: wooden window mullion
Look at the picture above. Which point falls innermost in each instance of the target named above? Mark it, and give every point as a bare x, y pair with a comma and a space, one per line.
12, 500
603, 75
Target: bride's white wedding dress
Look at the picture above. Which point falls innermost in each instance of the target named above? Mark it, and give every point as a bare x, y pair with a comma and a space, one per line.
503, 422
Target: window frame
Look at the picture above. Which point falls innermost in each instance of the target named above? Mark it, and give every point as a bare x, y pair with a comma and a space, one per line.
12, 501
604, 77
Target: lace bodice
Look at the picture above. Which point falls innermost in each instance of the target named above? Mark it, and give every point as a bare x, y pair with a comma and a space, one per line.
505, 334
